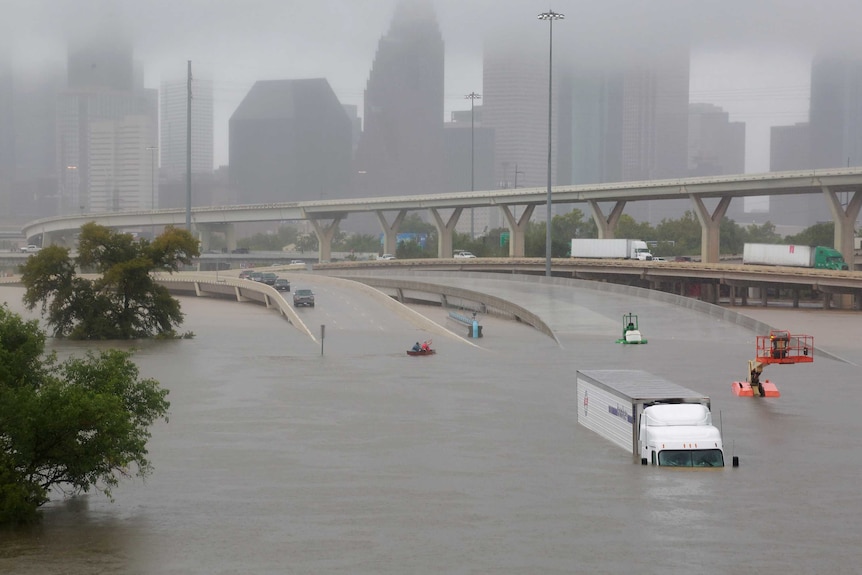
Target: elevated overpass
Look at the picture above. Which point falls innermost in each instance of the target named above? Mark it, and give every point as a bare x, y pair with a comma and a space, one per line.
710, 198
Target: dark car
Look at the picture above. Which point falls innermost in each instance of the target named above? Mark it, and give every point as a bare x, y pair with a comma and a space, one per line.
303, 297
239, 251
255, 276
282, 284
268, 278
682, 259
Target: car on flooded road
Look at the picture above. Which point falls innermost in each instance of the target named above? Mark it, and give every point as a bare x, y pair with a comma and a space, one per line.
303, 297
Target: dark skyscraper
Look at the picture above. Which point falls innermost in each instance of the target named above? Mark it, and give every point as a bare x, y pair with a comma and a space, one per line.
290, 140
401, 148
836, 112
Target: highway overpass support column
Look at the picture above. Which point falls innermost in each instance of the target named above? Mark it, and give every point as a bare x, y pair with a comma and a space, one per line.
608, 225
207, 231
390, 232
517, 229
444, 231
230, 237
710, 225
845, 220
324, 233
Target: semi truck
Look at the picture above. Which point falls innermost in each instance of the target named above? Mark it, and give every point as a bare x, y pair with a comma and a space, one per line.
610, 248
659, 422
794, 256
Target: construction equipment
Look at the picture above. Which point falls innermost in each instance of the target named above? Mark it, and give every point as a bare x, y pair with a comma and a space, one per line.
781, 347
631, 333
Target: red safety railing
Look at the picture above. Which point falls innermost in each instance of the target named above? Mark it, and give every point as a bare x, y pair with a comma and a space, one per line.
783, 347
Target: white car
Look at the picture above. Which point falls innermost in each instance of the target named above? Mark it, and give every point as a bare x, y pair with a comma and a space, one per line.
463, 255
31, 249
386, 257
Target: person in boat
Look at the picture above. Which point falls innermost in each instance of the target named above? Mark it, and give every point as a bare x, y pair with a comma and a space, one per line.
425, 346
630, 326
417, 347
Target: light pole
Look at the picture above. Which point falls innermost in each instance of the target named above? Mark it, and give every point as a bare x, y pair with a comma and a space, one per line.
152, 150
550, 16
472, 96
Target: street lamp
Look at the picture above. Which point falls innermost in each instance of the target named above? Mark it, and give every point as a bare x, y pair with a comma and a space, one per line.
550, 16
472, 96
153, 149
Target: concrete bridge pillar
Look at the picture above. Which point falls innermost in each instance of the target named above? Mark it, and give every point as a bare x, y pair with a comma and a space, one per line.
710, 225
390, 232
324, 233
607, 226
517, 229
230, 237
845, 221
444, 231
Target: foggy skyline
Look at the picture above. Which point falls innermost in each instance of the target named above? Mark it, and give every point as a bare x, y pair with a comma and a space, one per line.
752, 60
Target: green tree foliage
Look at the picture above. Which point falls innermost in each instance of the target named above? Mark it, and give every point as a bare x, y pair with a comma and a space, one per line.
822, 234
358, 243
763, 234
684, 233
627, 227
271, 242
573, 225
125, 302
73, 426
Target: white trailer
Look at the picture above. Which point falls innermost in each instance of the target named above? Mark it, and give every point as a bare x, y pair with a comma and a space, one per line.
794, 256
657, 421
610, 248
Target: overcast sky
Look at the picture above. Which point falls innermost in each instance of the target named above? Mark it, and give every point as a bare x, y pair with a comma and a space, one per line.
752, 57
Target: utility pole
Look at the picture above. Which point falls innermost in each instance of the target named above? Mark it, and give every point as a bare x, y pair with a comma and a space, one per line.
189, 152
152, 150
472, 96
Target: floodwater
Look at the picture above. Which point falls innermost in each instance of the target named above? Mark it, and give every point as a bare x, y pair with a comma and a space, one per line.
283, 455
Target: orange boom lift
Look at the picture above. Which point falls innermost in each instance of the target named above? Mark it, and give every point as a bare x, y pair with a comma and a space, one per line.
778, 347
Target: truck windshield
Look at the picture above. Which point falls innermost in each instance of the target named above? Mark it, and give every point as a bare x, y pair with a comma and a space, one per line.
691, 458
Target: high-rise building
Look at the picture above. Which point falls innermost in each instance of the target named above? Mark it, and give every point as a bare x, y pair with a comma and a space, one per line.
103, 86
289, 140
400, 151
174, 128
515, 106
716, 146
625, 122
469, 159
836, 112
832, 138
77, 112
120, 175
7, 139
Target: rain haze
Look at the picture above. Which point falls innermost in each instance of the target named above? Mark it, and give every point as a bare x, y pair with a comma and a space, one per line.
752, 59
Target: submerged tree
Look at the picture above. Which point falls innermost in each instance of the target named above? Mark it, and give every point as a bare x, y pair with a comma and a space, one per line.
73, 426
125, 302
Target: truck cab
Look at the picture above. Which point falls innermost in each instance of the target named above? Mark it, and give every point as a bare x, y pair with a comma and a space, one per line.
640, 251
679, 435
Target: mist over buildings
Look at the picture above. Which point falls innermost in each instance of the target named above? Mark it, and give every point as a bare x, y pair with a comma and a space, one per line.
751, 59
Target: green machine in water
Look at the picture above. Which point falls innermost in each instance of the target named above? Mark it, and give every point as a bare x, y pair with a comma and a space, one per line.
631, 332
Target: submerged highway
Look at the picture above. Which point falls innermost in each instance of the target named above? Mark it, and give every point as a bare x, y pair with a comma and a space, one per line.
287, 454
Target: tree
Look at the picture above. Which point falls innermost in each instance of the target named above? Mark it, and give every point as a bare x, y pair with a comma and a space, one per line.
125, 302
764, 234
822, 234
72, 426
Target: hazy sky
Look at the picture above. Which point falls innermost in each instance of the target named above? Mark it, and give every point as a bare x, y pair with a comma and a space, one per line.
752, 57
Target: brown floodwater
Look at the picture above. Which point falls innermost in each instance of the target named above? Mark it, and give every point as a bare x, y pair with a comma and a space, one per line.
282, 455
